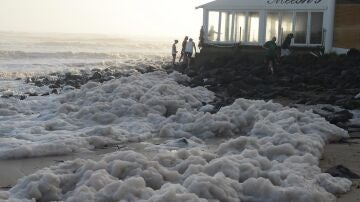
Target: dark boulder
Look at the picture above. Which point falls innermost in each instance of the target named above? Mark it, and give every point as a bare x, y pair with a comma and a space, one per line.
353, 52
342, 171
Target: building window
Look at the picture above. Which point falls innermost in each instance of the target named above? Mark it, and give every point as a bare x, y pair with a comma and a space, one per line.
286, 25
301, 27
272, 26
226, 26
240, 27
213, 27
231, 27
316, 28
223, 31
253, 27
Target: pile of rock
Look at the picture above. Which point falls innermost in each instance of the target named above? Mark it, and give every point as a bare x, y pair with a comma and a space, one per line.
302, 79
58, 80
65, 81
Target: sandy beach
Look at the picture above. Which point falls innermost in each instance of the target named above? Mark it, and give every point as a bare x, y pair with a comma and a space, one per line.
348, 155
12, 170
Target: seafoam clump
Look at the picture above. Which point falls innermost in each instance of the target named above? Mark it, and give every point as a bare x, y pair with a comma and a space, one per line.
270, 153
267, 153
191, 175
97, 115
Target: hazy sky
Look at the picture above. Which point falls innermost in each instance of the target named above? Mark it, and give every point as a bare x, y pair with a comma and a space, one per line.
123, 17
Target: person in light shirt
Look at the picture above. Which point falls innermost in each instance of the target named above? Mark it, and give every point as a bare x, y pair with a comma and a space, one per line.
285, 46
190, 46
183, 45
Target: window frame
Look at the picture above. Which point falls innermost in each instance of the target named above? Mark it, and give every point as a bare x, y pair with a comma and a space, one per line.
233, 34
232, 27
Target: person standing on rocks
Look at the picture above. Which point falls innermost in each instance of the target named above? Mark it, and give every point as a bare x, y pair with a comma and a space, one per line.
190, 46
285, 46
270, 54
182, 56
211, 34
201, 38
174, 51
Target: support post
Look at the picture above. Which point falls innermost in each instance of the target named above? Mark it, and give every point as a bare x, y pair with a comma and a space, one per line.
329, 26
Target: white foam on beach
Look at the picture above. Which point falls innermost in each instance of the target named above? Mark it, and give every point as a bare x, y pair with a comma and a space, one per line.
268, 152
128, 109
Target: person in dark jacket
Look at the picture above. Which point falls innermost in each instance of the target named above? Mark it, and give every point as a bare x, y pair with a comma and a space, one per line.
270, 54
201, 38
285, 46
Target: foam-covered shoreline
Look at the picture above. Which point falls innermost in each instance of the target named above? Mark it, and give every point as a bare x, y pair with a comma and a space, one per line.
269, 152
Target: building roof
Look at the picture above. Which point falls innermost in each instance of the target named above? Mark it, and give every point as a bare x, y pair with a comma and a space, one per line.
269, 4
220, 4
348, 1
236, 4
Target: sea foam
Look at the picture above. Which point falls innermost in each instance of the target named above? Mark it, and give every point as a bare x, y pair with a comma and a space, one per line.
268, 152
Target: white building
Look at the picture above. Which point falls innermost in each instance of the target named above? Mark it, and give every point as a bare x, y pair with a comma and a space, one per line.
253, 22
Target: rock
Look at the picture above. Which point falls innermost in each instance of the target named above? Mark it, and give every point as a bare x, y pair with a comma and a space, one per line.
342, 171
352, 104
21, 97
353, 52
357, 96
353, 130
55, 85
328, 108
96, 76
354, 135
68, 88
38, 83
339, 116
28, 80
69, 76
45, 94
33, 94
54, 91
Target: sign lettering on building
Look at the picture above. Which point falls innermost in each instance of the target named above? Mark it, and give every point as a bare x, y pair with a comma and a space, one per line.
285, 2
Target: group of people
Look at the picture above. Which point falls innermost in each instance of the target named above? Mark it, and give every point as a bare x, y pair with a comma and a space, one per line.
187, 48
271, 54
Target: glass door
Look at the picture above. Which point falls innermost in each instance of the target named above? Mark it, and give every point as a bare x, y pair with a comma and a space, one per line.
272, 25
286, 25
213, 26
301, 24
316, 28
253, 23
240, 20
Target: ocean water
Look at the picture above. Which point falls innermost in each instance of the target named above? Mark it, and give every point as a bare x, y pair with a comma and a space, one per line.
251, 150
25, 55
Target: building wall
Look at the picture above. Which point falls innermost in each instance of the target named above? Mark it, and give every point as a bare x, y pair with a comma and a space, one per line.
347, 26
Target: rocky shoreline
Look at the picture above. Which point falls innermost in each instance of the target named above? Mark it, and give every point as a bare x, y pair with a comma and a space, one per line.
63, 81
299, 80
328, 84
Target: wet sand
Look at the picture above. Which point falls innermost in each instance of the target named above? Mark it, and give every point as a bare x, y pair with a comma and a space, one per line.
348, 155
12, 170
